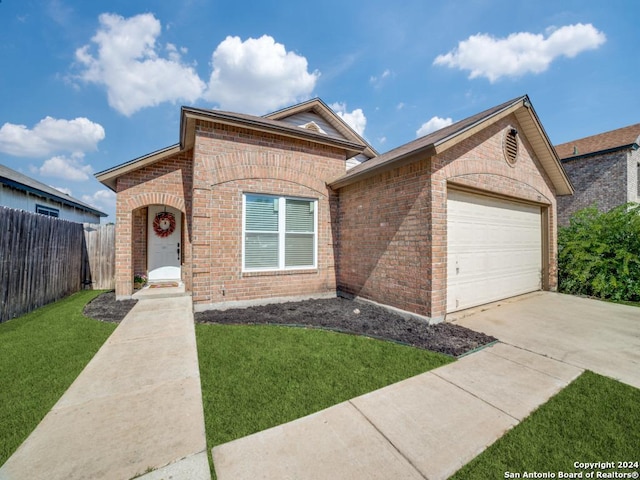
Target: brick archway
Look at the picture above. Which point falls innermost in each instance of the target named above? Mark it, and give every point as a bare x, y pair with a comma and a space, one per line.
155, 198
131, 235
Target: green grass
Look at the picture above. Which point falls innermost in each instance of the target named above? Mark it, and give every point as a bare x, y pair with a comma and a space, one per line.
41, 354
256, 377
621, 302
594, 419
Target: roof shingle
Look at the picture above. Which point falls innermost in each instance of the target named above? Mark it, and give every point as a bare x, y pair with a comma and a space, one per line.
423, 143
620, 138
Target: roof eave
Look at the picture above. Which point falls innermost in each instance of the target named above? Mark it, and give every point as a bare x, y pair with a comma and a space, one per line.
49, 196
544, 149
109, 177
470, 130
521, 108
190, 115
430, 149
410, 157
631, 146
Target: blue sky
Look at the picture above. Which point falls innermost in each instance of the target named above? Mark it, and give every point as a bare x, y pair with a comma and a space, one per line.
86, 85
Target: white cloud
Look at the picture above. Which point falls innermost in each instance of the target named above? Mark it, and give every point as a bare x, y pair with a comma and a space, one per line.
258, 75
128, 64
49, 136
251, 76
435, 123
69, 168
101, 199
377, 81
355, 119
520, 53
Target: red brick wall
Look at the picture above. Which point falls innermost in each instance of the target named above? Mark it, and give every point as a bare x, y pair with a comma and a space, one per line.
230, 161
168, 182
139, 234
393, 238
384, 238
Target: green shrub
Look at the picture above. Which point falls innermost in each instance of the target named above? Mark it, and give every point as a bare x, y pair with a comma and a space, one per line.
599, 254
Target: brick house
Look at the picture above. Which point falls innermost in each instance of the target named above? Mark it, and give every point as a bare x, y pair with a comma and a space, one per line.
295, 204
604, 169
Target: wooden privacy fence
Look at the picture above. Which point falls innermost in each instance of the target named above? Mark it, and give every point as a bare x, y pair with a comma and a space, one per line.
100, 241
43, 259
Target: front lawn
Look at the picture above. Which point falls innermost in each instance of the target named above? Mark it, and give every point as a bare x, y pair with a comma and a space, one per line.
257, 377
41, 354
594, 419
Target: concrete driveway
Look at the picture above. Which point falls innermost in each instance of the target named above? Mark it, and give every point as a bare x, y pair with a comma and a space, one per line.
600, 336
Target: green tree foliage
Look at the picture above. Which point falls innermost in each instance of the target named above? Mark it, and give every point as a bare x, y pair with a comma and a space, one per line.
599, 254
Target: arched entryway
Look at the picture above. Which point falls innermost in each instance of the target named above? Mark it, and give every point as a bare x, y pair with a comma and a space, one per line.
137, 240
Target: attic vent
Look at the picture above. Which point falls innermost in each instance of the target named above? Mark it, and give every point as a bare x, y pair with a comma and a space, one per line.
511, 146
313, 126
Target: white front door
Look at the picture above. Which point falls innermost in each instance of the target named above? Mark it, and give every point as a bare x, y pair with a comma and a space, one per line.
163, 246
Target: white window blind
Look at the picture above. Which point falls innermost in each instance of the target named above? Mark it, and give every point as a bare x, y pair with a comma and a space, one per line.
279, 233
300, 232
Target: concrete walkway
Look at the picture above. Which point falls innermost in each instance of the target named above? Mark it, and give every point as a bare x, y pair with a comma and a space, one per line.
425, 427
136, 407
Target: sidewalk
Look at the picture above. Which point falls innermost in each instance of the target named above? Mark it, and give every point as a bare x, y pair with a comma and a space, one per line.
136, 407
425, 427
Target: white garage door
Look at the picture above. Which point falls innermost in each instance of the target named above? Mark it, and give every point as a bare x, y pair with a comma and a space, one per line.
494, 249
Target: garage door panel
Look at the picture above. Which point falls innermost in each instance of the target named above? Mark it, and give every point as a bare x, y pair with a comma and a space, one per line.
494, 249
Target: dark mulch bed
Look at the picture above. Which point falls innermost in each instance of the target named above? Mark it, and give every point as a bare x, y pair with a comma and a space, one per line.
106, 308
347, 316
336, 314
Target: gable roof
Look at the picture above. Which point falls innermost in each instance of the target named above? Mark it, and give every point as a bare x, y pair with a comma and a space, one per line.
21, 182
317, 106
352, 145
441, 140
619, 139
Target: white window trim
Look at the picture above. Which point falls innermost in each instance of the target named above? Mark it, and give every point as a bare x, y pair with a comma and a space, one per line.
47, 210
281, 233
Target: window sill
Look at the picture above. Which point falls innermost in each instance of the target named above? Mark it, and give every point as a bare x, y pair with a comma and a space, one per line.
271, 273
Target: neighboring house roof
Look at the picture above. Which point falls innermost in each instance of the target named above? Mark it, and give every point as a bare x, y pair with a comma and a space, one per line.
443, 139
20, 181
622, 138
352, 144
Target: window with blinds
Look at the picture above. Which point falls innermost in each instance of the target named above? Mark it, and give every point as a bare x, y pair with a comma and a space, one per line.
279, 233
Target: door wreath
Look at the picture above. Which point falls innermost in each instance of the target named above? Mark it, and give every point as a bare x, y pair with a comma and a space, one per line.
164, 224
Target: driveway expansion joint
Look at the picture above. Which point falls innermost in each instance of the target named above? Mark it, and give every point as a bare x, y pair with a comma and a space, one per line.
528, 366
544, 355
